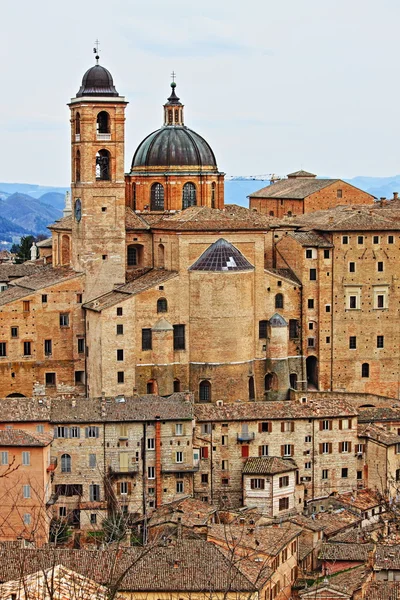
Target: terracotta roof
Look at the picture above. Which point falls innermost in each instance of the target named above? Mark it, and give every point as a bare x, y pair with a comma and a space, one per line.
63, 224
305, 548
387, 557
24, 410
47, 243
140, 284
310, 239
307, 522
284, 274
368, 415
300, 173
47, 276
203, 218
19, 437
346, 582
134, 221
10, 271
258, 411
361, 499
383, 590
346, 552
141, 408
269, 540
270, 465
352, 536
293, 188
378, 434
367, 217
190, 512
336, 520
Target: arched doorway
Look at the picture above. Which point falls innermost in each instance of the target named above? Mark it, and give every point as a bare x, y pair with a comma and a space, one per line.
312, 372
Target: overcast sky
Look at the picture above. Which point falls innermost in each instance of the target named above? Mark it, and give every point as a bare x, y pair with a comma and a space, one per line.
273, 85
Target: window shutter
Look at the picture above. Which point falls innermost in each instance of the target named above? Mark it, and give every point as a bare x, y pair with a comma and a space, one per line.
282, 450
350, 424
330, 448
129, 488
321, 424
78, 432
260, 428
340, 447
86, 432
96, 429
270, 427
204, 452
259, 451
340, 424
55, 433
292, 426
119, 488
282, 427
66, 430
320, 448
349, 446
292, 450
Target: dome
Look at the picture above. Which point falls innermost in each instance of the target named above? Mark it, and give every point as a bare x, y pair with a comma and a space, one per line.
174, 146
97, 81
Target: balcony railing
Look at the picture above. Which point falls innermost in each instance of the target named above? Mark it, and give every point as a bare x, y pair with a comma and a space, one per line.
180, 468
245, 436
120, 471
103, 137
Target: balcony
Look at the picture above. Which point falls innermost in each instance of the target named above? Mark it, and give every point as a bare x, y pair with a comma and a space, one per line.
124, 471
53, 464
245, 436
103, 137
180, 468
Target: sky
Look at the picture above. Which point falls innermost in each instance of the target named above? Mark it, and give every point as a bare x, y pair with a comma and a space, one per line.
273, 85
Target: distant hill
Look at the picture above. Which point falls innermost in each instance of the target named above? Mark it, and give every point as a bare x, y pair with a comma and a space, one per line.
9, 230
31, 189
53, 199
29, 213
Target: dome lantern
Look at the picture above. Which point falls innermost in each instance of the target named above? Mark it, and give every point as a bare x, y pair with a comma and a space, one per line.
173, 109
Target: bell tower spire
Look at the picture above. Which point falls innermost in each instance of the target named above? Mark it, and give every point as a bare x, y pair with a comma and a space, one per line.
173, 109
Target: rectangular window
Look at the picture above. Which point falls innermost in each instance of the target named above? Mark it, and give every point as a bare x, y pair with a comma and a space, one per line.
204, 478
27, 521
179, 337
339, 193
360, 239
26, 459
245, 451
325, 474
14, 332
4, 458
119, 311
27, 349
293, 329
263, 450
352, 267
50, 379
123, 488
151, 491
75, 432
380, 341
26, 305
179, 457
344, 447
224, 465
146, 339
257, 484
325, 425
284, 481
225, 481
93, 518
79, 298
311, 342
360, 475
179, 487
120, 330
375, 239
62, 512
3, 349
287, 450
310, 303
308, 439
91, 432
26, 491
327, 253
307, 466
262, 329
39, 428
352, 342
287, 426
328, 339
81, 345
178, 429
390, 239
380, 266
92, 461
325, 448
48, 347
64, 319
345, 472
206, 428
345, 424
120, 377
311, 326
94, 492
204, 452
352, 301
151, 443
308, 253
345, 239
265, 427
313, 274
224, 440
79, 377
120, 354
327, 308
283, 503
44, 298
380, 301
151, 472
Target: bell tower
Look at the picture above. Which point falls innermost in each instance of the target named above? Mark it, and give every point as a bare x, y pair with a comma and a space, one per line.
97, 183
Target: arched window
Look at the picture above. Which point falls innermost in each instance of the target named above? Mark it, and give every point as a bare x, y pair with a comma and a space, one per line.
134, 196
65, 463
213, 186
205, 391
252, 393
77, 124
271, 213
279, 301
78, 166
103, 122
103, 164
177, 385
176, 115
131, 256
189, 195
270, 382
161, 255
157, 197
170, 116
365, 370
162, 305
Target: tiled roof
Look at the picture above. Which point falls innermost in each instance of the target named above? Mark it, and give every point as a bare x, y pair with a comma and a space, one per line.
258, 411
63, 224
367, 217
372, 415
293, 188
378, 434
310, 239
284, 274
141, 408
301, 173
47, 276
203, 218
189, 512
335, 521
10, 271
134, 221
305, 548
47, 243
346, 582
221, 256
269, 540
387, 557
140, 284
345, 552
361, 499
24, 410
383, 590
352, 536
19, 437
307, 523
270, 465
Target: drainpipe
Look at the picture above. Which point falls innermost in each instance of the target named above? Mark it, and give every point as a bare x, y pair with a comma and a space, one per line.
332, 309
313, 459
144, 482
158, 461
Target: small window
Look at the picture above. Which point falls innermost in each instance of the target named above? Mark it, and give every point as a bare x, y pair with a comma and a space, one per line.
120, 377
283, 503
310, 303
345, 239
151, 444
380, 341
81, 345
79, 298
307, 466
26, 459
380, 301
120, 329
179, 337
94, 492
64, 319
14, 332
44, 298
263, 450
352, 267
104, 256
3, 349
380, 266
79, 377
26, 305
4, 457
92, 432
119, 311
178, 429
27, 349
353, 302
327, 339
339, 193
262, 329
360, 239
327, 253
75, 432
390, 239
120, 354
179, 457
345, 472
307, 439
313, 274
179, 487
279, 300
352, 342
309, 253
311, 342
146, 339
50, 379
375, 239
204, 478
48, 347
162, 305
40, 428
325, 474
360, 475
205, 391
66, 463
284, 481
327, 308
93, 518
27, 521
365, 370
151, 472
293, 329
257, 484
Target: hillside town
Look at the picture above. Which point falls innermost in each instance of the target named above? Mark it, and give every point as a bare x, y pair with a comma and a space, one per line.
199, 399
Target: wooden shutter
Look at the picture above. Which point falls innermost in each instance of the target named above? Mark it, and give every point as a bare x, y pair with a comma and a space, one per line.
330, 448
349, 446
340, 446
86, 432
119, 488
129, 488
282, 450
282, 426
204, 452
330, 425
292, 450
350, 423
245, 451
320, 448
260, 427
259, 450
292, 426
269, 427
321, 425
55, 432
340, 424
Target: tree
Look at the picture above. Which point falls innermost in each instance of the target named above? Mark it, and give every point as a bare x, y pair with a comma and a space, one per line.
23, 249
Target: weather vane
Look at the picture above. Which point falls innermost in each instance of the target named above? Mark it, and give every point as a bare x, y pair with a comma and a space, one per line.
173, 75
96, 51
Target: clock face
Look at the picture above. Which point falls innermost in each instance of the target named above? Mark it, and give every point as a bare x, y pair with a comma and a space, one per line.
78, 209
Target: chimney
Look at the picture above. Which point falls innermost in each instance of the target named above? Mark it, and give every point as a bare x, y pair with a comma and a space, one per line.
395, 195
